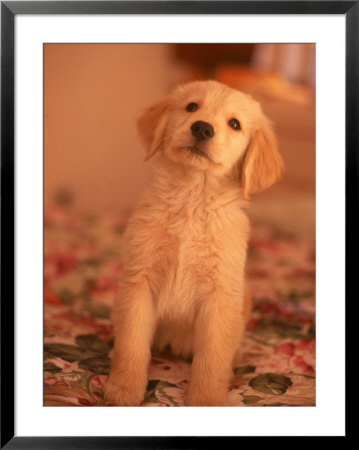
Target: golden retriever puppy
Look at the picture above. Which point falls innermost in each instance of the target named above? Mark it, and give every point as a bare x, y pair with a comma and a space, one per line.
183, 283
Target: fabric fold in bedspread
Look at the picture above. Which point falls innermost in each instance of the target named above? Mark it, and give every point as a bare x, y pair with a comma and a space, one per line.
82, 267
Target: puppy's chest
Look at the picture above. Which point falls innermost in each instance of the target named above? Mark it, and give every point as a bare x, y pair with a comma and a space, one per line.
193, 246
185, 238
182, 267
191, 225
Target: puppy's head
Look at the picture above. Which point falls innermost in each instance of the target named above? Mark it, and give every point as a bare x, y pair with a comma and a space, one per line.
207, 126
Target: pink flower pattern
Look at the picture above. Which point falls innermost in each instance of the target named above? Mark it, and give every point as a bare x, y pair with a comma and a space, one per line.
275, 365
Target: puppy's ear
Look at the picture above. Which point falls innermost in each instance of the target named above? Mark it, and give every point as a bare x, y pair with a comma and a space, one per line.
262, 164
151, 126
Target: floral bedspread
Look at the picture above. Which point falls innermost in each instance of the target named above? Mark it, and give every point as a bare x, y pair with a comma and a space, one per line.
82, 267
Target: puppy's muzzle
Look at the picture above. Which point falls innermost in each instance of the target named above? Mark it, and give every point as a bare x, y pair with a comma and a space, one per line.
202, 131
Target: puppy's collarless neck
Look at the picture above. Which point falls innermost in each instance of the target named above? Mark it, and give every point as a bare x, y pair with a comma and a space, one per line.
175, 184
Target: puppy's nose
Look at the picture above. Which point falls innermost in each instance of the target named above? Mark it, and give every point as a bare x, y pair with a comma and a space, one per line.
202, 130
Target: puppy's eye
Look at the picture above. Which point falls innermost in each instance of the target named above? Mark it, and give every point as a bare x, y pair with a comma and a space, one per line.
233, 123
192, 107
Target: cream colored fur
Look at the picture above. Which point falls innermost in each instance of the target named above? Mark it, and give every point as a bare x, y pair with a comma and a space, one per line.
186, 243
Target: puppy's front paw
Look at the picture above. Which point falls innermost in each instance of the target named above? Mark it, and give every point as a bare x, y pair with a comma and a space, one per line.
123, 396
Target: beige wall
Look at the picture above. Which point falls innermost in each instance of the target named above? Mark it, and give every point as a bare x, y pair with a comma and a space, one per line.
93, 95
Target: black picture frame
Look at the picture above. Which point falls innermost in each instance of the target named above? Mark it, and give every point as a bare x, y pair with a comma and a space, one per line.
9, 10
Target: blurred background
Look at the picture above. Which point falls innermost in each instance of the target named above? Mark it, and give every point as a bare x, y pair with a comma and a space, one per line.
93, 94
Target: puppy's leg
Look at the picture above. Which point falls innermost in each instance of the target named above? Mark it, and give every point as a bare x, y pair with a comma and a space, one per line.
218, 331
134, 320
